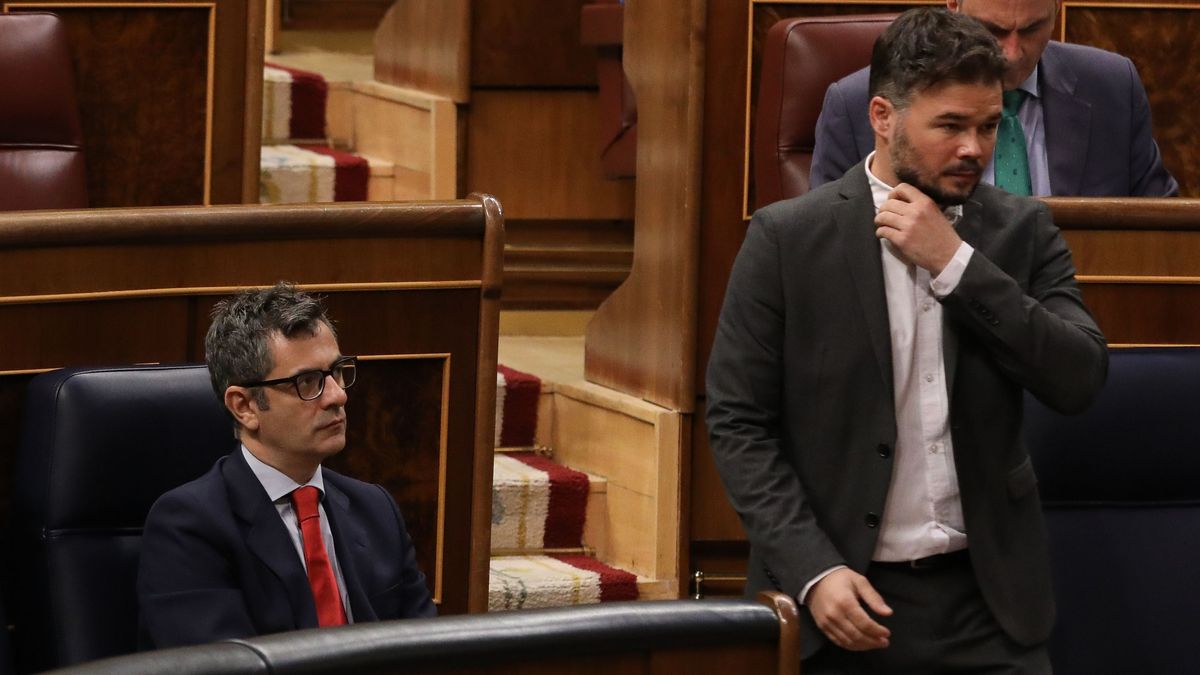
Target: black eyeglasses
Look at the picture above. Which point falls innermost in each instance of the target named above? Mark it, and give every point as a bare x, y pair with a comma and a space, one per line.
310, 384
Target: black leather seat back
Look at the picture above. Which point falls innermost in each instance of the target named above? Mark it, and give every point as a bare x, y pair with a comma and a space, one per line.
98, 447
1121, 489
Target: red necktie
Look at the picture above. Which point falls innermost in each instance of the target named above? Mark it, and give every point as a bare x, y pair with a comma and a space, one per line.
320, 573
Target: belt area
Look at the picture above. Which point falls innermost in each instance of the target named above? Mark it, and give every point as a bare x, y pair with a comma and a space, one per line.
933, 562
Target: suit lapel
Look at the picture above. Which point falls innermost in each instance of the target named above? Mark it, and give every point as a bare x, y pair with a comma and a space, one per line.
350, 545
267, 538
854, 219
1067, 120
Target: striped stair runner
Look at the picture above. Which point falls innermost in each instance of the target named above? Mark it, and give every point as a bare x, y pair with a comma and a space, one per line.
297, 165
293, 105
527, 582
539, 509
536, 503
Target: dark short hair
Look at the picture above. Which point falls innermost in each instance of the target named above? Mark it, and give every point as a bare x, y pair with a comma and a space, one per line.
237, 347
925, 46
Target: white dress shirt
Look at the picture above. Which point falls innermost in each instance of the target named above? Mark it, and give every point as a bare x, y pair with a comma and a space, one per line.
923, 513
279, 489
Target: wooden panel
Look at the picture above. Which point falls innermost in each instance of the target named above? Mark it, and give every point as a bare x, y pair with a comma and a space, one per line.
529, 43
332, 14
642, 339
423, 45
416, 132
179, 128
1146, 314
534, 150
142, 283
1160, 40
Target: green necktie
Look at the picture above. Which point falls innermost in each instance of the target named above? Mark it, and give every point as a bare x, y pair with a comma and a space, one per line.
1012, 164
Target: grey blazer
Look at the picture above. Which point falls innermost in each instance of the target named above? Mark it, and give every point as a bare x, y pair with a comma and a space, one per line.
800, 395
1098, 140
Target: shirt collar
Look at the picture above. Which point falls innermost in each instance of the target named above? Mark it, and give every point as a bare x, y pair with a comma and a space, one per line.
880, 191
1030, 85
277, 484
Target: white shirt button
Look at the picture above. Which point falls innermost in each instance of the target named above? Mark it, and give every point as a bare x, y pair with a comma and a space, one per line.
929, 377
935, 448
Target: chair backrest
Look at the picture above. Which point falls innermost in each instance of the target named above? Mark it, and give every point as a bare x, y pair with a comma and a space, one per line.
801, 58
1120, 486
661, 636
98, 447
41, 137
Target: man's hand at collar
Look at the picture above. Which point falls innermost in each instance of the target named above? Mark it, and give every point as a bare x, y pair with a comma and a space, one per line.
916, 226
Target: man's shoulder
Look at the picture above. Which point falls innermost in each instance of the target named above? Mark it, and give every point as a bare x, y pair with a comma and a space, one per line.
1091, 64
814, 201
200, 496
1017, 208
856, 84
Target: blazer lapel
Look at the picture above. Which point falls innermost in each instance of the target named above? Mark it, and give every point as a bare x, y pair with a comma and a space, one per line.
267, 538
1067, 120
854, 219
350, 544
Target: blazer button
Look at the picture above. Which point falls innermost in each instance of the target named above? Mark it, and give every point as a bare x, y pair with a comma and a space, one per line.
884, 450
871, 520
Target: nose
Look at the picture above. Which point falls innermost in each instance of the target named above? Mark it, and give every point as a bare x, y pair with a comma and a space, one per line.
1010, 46
971, 146
334, 394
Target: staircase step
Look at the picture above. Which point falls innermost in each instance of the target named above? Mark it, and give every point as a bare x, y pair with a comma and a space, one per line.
311, 173
293, 104
526, 582
537, 504
517, 396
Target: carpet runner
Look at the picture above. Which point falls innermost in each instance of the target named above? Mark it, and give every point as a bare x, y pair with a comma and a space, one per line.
517, 397
297, 164
536, 503
293, 105
527, 582
311, 173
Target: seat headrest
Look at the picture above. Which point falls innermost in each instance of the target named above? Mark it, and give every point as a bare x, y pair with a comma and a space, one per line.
99, 445
1138, 443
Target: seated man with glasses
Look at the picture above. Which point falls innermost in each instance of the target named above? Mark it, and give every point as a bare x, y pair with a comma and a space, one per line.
268, 540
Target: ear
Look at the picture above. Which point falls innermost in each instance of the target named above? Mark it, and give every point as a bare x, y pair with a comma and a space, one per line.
883, 116
240, 403
956, 5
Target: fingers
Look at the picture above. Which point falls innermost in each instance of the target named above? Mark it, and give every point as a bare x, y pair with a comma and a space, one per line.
837, 608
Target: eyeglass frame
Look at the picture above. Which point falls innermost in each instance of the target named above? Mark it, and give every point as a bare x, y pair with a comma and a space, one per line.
294, 380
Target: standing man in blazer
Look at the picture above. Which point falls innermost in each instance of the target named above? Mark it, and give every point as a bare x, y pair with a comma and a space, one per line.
1085, 116
866, 380
268, 540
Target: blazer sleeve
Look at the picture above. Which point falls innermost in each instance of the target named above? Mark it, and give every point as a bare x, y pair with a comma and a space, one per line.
187, 588
744, 415
1043, 337
1148, 176
834, 149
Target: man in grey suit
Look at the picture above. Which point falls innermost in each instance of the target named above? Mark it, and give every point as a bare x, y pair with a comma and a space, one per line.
1085, 117
866, 380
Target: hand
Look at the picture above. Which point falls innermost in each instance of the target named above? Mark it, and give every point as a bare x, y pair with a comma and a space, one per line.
836, 603
915, 225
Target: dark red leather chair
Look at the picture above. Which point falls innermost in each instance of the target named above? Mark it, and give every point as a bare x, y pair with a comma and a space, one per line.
801, 58
41, 137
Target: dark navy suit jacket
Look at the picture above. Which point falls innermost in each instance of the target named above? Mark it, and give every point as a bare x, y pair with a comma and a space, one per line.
217, 562
1097, 125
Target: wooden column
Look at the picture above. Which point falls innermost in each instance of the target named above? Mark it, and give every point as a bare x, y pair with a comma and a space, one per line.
643, 338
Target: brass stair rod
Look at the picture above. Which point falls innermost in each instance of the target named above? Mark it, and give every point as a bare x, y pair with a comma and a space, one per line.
699, 577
